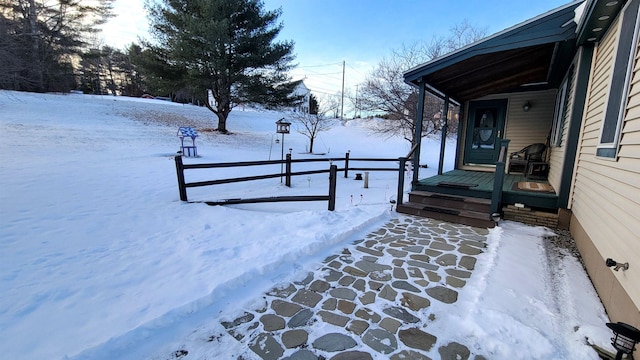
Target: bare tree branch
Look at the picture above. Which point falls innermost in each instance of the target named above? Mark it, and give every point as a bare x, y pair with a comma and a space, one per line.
384, 91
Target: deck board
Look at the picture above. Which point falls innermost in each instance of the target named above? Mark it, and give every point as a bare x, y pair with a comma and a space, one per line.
485, 187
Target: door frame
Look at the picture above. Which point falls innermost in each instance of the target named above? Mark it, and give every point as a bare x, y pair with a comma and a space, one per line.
474, 153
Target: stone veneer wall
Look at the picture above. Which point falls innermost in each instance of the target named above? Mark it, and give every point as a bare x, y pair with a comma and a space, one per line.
528, 216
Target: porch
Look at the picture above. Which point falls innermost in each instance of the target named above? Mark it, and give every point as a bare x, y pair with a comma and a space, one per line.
479, 184
465, 197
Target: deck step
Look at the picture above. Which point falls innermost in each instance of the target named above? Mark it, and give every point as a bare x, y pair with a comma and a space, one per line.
466, 217
450, 201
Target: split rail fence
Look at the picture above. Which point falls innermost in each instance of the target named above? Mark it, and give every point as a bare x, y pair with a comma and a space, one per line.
287, 173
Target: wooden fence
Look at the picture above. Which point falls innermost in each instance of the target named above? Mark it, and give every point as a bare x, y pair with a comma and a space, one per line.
287, 174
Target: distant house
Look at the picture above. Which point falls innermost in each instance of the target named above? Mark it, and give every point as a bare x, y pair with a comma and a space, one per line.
305, 94
568, 79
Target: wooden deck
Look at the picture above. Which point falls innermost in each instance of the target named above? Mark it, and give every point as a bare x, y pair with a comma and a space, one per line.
480, 185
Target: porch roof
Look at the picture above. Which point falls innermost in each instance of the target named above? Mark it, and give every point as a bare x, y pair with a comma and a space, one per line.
532, 55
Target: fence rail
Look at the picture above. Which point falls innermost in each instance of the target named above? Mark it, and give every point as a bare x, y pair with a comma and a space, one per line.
288, 173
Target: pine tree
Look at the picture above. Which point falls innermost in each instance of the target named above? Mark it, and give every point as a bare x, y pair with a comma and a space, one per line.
228, 47
41, 38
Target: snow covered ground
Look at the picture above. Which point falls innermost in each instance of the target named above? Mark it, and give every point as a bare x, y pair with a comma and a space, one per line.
100, 259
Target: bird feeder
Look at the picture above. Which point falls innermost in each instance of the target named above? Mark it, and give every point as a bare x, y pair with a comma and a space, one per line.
283, 126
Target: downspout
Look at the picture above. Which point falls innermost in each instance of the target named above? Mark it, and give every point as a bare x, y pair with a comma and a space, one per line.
418, 133
443, 140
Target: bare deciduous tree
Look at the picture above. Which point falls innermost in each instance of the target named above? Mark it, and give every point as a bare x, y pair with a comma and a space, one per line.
310, 125
384, 91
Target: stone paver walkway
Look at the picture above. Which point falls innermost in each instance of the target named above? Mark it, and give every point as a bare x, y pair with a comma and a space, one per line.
375, 294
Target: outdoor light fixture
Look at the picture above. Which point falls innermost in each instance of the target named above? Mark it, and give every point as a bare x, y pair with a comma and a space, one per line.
616, 265
495, 217
625, 338
526, 106
282, 127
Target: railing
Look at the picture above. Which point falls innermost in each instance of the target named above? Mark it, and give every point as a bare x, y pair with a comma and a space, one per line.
401, 170
288, 173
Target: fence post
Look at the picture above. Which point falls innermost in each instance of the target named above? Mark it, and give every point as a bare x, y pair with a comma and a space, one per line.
287, 179
401, 169
333, 174
346, 164
181, 184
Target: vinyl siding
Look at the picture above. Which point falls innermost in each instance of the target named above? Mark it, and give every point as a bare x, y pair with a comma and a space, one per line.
606, 194
533, 126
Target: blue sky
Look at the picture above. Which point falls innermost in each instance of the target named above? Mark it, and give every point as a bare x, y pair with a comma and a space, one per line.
359, 32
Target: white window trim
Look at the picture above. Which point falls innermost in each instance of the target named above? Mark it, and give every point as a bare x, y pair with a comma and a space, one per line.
556, 131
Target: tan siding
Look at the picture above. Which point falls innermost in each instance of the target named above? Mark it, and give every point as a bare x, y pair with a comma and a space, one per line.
526, 128
606, 194
631, 138
631, 126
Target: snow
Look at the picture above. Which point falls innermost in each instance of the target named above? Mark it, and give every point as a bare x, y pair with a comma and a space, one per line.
99, 259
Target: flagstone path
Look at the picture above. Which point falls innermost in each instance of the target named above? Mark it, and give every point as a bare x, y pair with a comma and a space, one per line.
370, 298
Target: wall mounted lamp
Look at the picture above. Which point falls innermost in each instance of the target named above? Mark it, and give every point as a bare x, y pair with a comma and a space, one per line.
526, 106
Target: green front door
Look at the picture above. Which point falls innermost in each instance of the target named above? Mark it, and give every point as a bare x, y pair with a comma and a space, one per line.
485, 126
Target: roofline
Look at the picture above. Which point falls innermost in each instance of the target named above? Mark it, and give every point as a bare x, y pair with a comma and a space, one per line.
592, 10
465, 52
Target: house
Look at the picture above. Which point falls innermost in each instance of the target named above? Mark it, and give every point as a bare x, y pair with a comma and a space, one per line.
302, 91
568, 79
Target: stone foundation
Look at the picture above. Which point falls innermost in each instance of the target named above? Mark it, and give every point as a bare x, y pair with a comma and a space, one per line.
528, 216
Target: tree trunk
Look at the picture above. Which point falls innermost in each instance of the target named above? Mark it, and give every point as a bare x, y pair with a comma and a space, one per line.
222, 112
222, 122
311, 145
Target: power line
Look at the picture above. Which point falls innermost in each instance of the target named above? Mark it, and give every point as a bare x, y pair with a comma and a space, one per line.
356, 70
334, 73
324, 91
308, 66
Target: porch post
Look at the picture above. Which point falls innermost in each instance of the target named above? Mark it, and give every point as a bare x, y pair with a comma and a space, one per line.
418, 134
581, 84
498, 179
443, 141
461, 111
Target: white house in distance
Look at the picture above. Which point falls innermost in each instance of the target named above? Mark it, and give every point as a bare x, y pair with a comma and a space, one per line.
303, 105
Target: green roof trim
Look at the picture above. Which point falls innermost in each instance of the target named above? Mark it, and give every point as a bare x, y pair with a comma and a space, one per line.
597, 18
554, 26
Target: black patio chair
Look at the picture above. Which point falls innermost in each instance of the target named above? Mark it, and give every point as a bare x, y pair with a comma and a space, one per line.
520, 161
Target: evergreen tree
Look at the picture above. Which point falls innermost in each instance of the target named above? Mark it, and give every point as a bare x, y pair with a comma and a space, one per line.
134, 83
313, 105
39, 40
226, 46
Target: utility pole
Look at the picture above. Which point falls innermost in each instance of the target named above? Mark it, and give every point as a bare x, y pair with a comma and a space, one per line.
342, 105
355, 111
